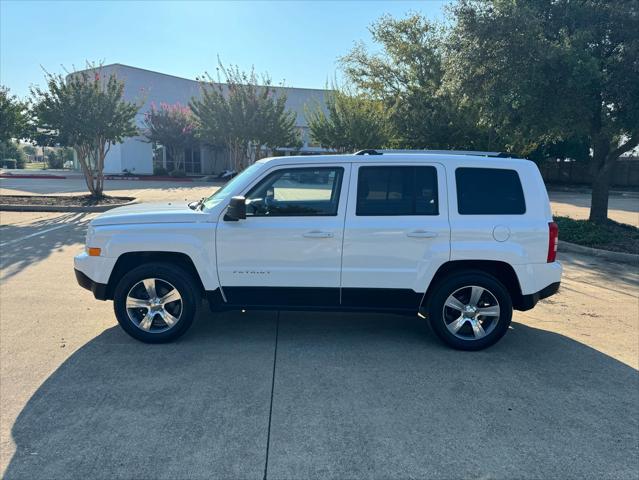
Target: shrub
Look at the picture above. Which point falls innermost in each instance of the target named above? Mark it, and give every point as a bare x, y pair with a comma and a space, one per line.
12, 151
161, 171
611, 235
178, 173
56, 159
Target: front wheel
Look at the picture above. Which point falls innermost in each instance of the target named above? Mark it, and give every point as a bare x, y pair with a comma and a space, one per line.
156, 302
470, 311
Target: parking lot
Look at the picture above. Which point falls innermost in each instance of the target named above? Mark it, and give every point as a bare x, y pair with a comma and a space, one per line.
289, 395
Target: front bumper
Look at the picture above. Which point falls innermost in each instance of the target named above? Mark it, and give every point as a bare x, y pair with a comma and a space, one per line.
100, 290
93, 273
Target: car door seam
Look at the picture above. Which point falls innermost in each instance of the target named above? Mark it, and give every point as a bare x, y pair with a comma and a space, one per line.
341, 256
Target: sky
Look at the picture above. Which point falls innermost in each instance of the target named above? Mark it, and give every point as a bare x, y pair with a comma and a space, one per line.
295, 42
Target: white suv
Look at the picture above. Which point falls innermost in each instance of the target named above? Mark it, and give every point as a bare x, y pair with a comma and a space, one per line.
458, 239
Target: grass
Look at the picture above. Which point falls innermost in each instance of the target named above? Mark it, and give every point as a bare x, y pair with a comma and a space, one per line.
613, 236
34, 166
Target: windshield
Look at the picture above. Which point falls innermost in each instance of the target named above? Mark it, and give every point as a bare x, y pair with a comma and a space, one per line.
225, 192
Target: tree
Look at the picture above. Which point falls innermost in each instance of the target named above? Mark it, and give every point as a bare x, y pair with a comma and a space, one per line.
354, 122
572, 148
13, 117
29, 149
243, 116
407, 76
87, 112
544, 71
10, 150
173, 127
57, 157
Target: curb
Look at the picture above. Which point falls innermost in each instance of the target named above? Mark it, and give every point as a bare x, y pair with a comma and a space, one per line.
44, 177
61, 208
150, 178
597, 252
136, 178
586, 190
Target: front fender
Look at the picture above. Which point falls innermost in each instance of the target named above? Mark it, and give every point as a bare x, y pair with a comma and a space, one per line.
196, 240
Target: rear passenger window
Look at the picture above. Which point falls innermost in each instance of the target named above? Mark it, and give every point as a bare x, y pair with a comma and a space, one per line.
386, 191
489, 191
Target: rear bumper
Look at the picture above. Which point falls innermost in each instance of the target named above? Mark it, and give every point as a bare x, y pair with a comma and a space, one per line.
99, 290
529, 301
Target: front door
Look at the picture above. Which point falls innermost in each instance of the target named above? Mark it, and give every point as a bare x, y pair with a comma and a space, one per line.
288, 249
396, 234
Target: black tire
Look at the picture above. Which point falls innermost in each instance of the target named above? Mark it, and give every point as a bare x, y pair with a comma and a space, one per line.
456, 283
183, 282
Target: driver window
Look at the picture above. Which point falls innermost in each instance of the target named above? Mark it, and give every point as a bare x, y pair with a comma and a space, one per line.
296, 192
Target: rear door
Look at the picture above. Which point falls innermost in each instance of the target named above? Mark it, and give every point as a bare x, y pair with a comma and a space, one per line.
396, 233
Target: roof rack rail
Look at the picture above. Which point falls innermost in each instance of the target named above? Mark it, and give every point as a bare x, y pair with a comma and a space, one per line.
372, 151
369, 151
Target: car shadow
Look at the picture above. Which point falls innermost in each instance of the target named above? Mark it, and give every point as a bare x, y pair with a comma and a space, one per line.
355, 396
22, 245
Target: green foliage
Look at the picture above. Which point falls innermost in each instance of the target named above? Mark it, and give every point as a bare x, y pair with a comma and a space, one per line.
572, 148
58, 156
243, 115
85, 111
177, 173
10, 150
540, 72
54, 160
407, 76
29, 149
173, 127
609, 235
354, 122
13, 117
160, 171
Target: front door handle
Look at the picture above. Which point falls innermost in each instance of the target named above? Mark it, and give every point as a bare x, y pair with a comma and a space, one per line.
318, 234
421, 234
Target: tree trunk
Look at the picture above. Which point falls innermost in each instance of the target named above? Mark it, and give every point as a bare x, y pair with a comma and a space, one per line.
604, 158
99, 180
600, 174
86, 170
599, 198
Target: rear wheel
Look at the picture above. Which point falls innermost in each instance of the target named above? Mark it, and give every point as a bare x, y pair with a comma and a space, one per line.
156, 302
470, 311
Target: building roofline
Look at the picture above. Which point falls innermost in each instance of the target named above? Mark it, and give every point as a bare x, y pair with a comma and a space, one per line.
192, 80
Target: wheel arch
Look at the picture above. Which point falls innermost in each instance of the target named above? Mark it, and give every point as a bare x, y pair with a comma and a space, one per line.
502, 271
128, 261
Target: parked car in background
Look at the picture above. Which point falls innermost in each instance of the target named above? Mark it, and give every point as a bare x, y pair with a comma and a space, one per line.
459, 239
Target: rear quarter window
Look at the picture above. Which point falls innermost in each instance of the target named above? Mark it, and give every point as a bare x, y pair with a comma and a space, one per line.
489, 191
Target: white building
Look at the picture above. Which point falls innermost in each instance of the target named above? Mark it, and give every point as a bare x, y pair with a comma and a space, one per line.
153, 88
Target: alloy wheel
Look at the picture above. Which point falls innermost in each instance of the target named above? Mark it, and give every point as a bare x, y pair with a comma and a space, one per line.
154, 305
471, 312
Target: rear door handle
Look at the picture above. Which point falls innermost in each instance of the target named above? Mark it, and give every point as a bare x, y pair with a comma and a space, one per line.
318, 234
421, 234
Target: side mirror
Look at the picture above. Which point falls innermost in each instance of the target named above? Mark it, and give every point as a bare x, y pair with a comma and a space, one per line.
236, 210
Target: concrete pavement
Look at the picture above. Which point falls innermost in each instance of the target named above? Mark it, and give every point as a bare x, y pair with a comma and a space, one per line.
353, 396
623, 208
147, 191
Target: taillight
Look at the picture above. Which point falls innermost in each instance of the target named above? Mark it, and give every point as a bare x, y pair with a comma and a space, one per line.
553, 241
